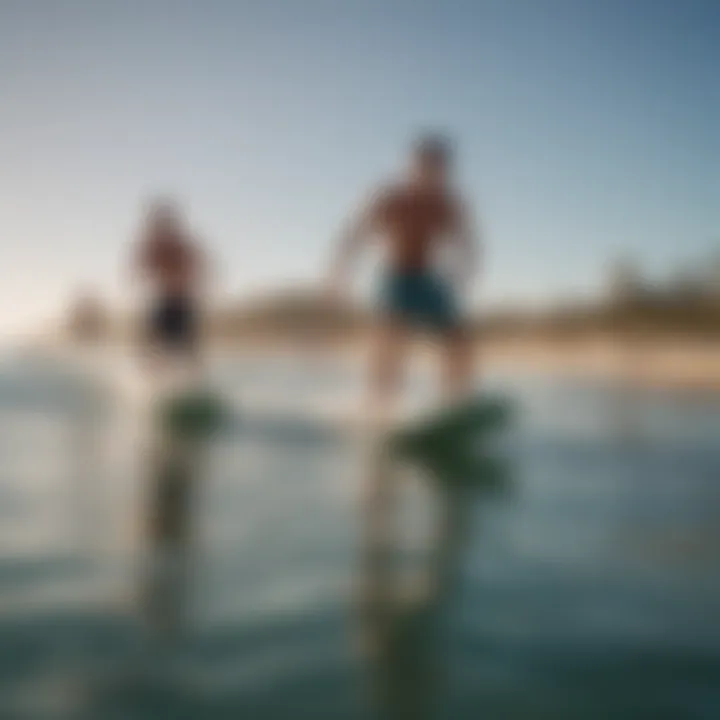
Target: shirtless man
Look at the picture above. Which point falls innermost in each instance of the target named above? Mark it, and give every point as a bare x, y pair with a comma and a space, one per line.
416, 218
173, 266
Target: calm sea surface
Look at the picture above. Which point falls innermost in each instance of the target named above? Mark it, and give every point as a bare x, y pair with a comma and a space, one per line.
585, 585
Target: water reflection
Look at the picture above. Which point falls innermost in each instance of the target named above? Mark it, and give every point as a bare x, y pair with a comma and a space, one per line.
401, 630
85, 435
169, 556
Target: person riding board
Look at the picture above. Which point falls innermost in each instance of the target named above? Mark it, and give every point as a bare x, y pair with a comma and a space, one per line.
417, 218
172, 263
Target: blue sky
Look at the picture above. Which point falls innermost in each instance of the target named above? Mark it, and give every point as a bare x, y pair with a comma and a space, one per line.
585, 129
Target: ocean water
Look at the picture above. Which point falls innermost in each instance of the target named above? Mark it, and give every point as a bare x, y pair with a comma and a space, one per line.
585, 584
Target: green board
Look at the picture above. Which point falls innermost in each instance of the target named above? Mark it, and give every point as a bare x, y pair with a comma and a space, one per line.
194, 414
468, 421
455, 444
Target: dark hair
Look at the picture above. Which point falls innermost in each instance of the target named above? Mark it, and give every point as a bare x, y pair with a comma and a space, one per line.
434, 147
162, 207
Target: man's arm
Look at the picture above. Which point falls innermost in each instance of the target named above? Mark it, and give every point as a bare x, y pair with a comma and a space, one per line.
468, 238
352, 239
138, 261
204, 268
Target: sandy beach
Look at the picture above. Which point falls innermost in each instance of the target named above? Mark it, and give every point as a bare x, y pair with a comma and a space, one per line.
662, 363
659, 363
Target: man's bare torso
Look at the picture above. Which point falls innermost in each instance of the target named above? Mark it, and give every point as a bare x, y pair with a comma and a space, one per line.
171, 262
413, 223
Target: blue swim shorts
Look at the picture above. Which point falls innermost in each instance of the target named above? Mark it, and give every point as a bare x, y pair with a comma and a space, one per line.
419, 299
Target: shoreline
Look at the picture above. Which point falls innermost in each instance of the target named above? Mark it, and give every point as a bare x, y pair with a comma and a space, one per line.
660, 363
665, 364
657, 363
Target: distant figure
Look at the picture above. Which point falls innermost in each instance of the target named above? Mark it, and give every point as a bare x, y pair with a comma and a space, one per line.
170, 260
417, 218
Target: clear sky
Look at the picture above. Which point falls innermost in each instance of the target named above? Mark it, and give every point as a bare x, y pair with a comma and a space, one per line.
585, 128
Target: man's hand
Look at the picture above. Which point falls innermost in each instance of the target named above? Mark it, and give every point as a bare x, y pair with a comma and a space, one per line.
333, 290
336, 286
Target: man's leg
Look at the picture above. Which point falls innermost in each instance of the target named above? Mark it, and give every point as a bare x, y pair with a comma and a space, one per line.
151, 340
388, 355
181, 336
458, 363
194, 339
